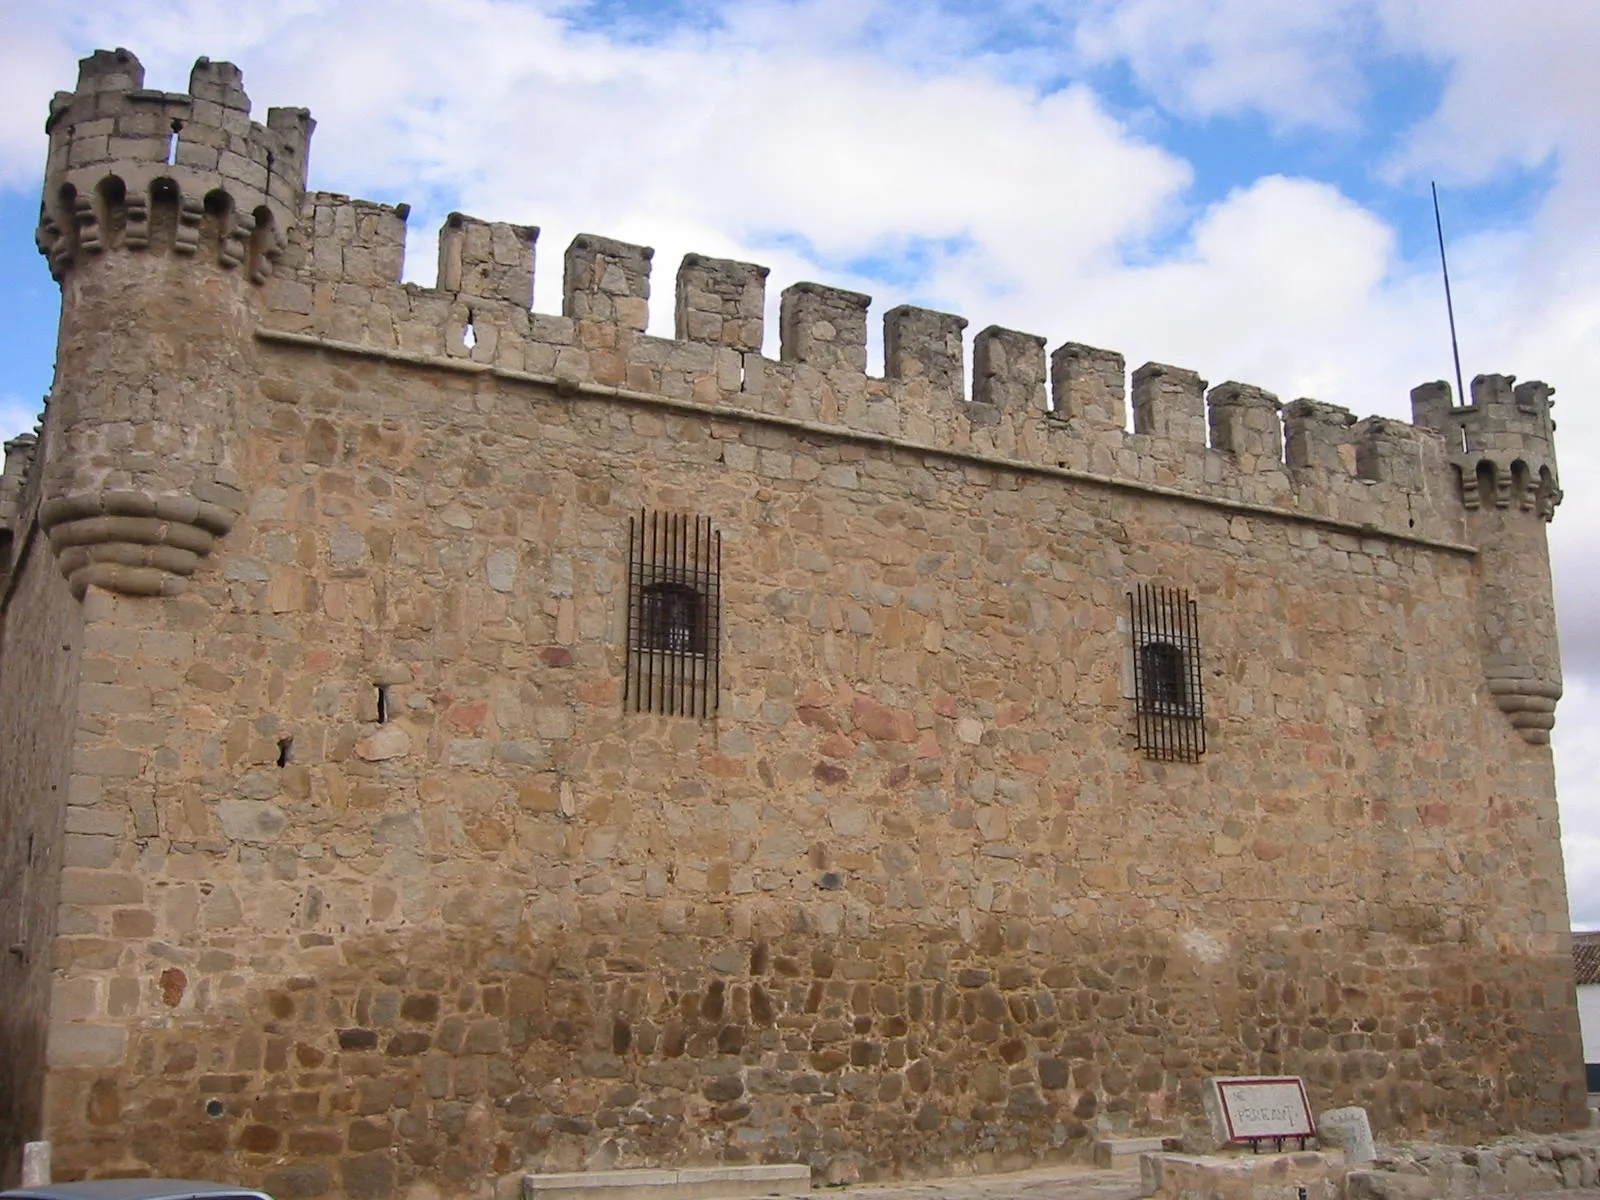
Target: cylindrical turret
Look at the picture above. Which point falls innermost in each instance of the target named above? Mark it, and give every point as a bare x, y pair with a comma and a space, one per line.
1503, 445
162, 215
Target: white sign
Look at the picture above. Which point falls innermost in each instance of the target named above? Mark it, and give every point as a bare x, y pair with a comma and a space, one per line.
1265, 1108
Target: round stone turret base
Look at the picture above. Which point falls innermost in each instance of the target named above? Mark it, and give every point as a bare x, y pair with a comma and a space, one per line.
132, 542
1528, 700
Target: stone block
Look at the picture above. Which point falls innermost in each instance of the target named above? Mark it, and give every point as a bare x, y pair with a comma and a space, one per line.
489, 259
1008, 371
607, 282
721, 302
91, 888
1308, 1174
81, 1044
1318, 436
1169, 403
1348, 1129
733, 1182
1088, 387
824, 327
919, 343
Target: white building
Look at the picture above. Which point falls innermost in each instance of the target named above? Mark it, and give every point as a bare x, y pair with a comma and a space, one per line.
1586, 970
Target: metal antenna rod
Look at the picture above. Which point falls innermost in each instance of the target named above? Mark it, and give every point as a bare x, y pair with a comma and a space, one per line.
1450, 308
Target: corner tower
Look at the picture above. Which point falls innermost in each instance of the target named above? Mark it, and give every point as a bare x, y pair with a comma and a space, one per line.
162, 215
1503, 448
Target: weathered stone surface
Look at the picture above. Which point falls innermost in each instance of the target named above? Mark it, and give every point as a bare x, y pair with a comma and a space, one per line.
373, 867
1348, 1129
388, 742
1169, 1176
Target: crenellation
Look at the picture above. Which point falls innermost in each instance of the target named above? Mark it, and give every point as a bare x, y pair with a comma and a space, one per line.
721, 302
1246, 422
20, 453
1505, 436
606, 288
113, 71
492, 260
353, 241
1431, 405
718, 305
920, 344
294, 126
221, 83
1169, 403
824, 327
1318, 436
1389, 451
117, 152
1008, 372
1088, 387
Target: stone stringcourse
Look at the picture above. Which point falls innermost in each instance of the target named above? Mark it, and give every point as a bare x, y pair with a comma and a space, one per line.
340, 867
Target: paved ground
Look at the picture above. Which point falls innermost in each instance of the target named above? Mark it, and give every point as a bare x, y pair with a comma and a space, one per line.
1065, 1182
1078, 1182
1069, 1183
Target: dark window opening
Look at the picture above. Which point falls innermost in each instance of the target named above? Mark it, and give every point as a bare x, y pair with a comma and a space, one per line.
285, 751
383, 704
672, 618
1169, 702
1164, 677
674, 615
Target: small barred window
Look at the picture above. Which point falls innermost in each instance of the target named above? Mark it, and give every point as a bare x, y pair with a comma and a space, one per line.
672, 619
674, 614
1168, 700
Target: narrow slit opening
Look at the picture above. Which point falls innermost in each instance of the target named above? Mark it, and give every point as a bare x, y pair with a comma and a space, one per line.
172, 141
383, 704
285, 751
469, 335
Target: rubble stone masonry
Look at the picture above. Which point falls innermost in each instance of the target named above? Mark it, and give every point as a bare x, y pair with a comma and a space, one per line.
369, 879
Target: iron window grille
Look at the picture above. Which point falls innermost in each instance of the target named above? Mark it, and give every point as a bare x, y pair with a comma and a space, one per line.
1169, 702
674, 614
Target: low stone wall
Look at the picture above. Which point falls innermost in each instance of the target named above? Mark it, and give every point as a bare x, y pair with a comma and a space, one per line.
1511, 1167
1301, 1175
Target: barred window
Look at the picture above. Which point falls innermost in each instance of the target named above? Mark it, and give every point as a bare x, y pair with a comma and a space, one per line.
674, 614
1169, 703
672, 618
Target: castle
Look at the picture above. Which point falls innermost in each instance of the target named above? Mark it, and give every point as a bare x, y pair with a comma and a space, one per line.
445, 740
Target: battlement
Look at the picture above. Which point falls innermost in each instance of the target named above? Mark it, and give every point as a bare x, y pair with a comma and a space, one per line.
135, 167
1502, 444
1064, 410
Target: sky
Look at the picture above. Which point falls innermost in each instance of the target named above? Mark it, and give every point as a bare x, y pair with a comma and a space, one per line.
1241, 187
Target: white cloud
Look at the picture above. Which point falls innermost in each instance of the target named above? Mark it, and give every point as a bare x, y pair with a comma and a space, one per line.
1299, 64
1578, 781
35, 62
1521, 84
17, 416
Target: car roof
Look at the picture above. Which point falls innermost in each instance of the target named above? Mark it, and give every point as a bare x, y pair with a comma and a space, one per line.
133, 1189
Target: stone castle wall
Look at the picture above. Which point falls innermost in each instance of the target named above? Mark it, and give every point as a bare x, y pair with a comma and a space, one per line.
41, 637
374, 880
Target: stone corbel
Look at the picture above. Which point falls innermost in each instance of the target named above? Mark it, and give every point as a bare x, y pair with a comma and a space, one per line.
1527, 698
132, 542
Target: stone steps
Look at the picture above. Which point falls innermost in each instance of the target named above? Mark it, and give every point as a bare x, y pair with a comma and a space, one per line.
687, 1183
1114, 1153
